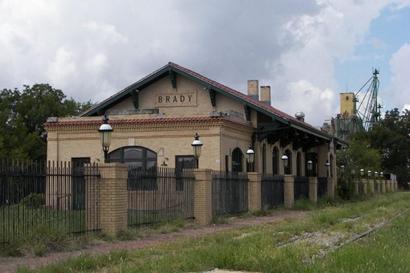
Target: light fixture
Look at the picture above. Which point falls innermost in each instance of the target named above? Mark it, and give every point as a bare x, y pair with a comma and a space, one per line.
376, 174
105, 133
285, 160
362, 172
381, 174
310, 167
250, 157
369, 173
197, 146
327, 165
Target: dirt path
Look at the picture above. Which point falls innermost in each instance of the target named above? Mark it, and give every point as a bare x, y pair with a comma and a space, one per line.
8, 265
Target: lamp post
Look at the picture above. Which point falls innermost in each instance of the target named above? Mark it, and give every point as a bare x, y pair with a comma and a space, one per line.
376, 175
105, 133
250, 157
197, 146
381, 175
369, 173
327, 165
285, 161
309, 167
362, 172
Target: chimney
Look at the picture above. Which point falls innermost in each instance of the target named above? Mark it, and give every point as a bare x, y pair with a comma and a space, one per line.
265, 94
300, 116
253, 89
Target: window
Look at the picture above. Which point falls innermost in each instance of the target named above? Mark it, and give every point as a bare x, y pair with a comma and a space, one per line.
183, 162
142, 164
275, 161
237, 158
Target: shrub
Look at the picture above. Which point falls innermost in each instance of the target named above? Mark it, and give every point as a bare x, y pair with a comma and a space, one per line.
33, 200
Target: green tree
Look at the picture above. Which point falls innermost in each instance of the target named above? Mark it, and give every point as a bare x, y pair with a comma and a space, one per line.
23, 114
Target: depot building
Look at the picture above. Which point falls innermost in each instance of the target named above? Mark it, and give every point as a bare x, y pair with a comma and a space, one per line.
154, 121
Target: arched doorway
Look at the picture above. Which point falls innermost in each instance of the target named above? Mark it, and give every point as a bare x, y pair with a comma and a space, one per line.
237, 159
298, 164
275, 161
288, 169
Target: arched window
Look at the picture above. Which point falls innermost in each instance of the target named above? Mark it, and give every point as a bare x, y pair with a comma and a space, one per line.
142, 166
139, 157
275, 161
264, 158
288, 169
237, 158
298, 164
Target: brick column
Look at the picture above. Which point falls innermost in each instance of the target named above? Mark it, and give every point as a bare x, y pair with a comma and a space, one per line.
370, 182
376, 185
383, 186
388, 185
355, 186
289, 191
313, 189
113, 197
203, 196
331, 187
254, 191
364, 185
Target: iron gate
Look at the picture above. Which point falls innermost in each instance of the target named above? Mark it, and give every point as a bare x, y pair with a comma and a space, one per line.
272, 191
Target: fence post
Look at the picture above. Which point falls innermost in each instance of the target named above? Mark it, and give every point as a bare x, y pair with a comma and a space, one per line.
364, 185
371, 185
313, 188
254, 191
356, 186
289, 191
203, 196
383, 182
113, 197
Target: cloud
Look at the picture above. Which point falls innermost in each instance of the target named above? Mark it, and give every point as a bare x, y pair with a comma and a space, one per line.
400, 82
91, 49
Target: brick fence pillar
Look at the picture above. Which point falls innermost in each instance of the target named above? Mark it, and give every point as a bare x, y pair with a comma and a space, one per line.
203, 196
370, 183
254, 191
363, 181
388, 187
377, 185
313, 188
383, 186
289, 191
113, 197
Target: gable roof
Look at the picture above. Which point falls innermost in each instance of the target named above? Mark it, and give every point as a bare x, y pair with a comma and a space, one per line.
255, 104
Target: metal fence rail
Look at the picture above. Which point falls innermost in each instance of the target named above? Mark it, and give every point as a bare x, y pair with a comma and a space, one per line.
301, 187
321, 187
159, 194
56, 196
272, 191
229, 193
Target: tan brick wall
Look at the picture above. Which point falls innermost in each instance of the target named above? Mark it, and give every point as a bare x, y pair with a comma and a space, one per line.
113, 197
203, 196
289, 191
254, 191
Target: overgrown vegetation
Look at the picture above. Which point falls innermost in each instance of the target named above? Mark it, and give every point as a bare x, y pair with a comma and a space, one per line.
297, 245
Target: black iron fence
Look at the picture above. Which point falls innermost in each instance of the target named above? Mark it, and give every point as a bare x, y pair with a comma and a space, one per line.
272, 191
159, 194
56, 196
321, 187
229, 192
301, 187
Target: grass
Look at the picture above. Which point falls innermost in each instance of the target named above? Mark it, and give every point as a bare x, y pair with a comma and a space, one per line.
296, 245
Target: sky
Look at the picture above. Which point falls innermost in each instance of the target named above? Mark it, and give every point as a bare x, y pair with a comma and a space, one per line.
308, 51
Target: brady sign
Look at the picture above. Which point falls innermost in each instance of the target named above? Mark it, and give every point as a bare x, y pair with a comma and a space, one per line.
172, 100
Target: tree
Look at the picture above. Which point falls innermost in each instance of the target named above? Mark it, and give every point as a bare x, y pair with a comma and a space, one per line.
23, 114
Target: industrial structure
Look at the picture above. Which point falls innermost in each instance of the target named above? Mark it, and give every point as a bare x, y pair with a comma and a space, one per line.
358, 111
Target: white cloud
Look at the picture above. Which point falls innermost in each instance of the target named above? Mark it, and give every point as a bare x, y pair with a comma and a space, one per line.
400, 82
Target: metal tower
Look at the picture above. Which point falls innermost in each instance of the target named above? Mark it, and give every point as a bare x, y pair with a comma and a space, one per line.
369, 109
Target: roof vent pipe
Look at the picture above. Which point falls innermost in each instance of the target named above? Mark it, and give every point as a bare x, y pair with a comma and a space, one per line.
253, 89
300, 116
